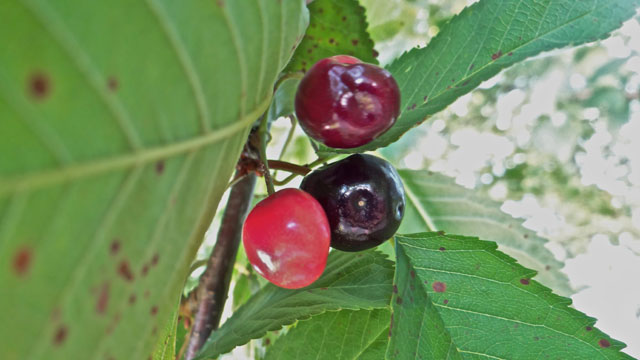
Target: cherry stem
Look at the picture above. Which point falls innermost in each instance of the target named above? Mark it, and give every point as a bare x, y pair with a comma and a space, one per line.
263, 134
287, 166
213, 286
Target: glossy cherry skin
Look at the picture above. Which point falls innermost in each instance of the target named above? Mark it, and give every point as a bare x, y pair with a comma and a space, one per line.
345, 103
286, 237
363, 198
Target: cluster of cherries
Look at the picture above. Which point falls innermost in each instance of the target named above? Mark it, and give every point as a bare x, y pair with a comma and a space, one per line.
351, 205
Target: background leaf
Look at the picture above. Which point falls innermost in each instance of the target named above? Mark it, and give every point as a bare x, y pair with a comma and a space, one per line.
488, 304
436, 202
336, 27
120, 125
484, 39
335, 335
351, 281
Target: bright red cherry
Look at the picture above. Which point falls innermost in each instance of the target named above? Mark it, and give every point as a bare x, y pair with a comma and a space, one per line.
286, 237
345, 103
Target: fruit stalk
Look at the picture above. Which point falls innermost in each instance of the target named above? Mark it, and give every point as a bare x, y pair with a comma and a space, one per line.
214, 283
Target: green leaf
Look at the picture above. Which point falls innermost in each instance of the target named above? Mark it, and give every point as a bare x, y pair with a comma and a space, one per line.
488, 305
165, 348
351, 281
120, 125
283, 99
484, 39
334, 335
336, 27
435, 202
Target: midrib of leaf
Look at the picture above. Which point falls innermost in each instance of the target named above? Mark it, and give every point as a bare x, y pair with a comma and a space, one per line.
56, 28
480, 68
46, 178
184, 58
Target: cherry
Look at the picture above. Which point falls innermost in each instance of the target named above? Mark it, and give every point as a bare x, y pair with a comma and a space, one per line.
363, 198
286, 237
345, 103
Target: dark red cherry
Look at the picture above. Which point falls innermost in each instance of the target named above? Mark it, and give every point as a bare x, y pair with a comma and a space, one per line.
345, 103
286, 237
363, 198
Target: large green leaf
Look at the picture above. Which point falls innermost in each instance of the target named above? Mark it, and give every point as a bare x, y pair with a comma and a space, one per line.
336, 27
335, 335
484, 39
120, 124
351, 281
436, 203
479, 303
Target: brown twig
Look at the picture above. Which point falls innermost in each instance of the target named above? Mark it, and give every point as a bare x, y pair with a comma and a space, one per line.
287, 166
214, 282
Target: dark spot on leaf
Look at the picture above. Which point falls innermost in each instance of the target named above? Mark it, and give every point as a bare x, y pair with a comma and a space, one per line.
22, 261
497, 55
125, 271
145, 270
395, 288
391, 325
413, 106
344, 18
413, 274
510, 54
425, 99
132, 299
446, 301
112, 83
471, 67
309, 51
154, 259
519, 37
102, 300
442, 248
60, 335
354, 42
441, 233
536, 338
160, 167
604, 343
267, 342
331, 41
526, 236
220, 3
115, 247
524, 281
324, 288
39, 86
154, 310
320, 10
399, 300
374, 53
437, 73
465, 83
548, 267
439, 286
315, 46
588, 328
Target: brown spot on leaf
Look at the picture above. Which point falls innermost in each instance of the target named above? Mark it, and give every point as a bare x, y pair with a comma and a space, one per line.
604, 343
497, 55
446, 301
112, 83
102, 300
510, 54
395, 288
374, 53
132, 299
154, 259
471, 67
442, 248
160, 167
39, 85
439, 286
399, 300
344, 18
125, 271
412, 274
154, 310
145, 270
588, 328
524, 281
441, 233
22, 261
60, 335
331, 41
354, 42
114, 248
